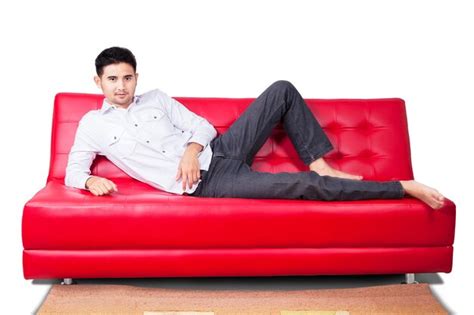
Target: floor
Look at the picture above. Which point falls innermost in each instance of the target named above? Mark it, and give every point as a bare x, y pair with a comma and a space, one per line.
40, 288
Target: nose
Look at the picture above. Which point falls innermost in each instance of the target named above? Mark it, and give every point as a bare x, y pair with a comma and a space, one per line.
120, 84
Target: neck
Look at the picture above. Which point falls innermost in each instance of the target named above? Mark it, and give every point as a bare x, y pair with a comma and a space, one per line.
118, 105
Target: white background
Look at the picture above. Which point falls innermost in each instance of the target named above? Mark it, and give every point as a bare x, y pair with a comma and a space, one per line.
420, 51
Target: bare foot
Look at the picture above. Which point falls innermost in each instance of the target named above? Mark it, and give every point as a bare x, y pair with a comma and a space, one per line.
322, 168
425, 193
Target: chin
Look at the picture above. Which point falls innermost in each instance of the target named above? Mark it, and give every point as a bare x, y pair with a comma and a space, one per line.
123, 102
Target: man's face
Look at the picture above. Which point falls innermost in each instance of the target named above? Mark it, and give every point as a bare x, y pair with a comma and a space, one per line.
118, 83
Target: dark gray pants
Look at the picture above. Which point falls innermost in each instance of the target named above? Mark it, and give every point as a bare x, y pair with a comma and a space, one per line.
230, 175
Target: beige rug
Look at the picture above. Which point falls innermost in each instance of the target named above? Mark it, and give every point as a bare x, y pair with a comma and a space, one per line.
124, 299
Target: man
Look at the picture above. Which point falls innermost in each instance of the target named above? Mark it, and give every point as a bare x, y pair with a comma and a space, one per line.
157, 140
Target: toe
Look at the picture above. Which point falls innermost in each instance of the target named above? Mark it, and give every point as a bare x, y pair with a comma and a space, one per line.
439, 204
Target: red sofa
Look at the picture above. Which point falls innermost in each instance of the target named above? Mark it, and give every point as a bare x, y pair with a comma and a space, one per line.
144, 232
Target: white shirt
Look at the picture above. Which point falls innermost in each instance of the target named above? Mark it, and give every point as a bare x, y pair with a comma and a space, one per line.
146, 141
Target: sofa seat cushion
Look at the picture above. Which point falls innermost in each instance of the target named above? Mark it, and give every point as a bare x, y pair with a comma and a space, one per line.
142, 217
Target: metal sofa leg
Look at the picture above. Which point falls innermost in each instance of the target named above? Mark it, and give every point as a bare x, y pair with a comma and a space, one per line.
410, 279
67, 281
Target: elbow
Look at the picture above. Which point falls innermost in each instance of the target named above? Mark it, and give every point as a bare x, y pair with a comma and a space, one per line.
213, 132
67, 179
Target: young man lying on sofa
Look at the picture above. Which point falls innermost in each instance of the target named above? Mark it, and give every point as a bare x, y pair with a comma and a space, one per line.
130, 130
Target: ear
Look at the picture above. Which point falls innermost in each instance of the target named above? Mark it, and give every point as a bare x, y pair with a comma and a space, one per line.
97, 81
136, 76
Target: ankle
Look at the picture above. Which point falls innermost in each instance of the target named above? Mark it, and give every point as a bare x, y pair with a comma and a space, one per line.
407, 186
319, 165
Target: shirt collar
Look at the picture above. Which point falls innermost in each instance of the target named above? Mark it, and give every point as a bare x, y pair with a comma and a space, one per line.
106, 106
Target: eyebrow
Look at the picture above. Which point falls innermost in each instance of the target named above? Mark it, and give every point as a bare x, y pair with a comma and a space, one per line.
114, 76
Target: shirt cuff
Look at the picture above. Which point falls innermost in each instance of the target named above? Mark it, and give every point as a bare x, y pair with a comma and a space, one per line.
200, 139
77, 181
83, 181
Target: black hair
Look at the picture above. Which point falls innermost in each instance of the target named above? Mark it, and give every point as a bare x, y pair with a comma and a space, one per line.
114, 55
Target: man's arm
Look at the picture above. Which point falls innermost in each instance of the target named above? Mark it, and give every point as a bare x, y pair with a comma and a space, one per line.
81, 156
189, 167
202, 132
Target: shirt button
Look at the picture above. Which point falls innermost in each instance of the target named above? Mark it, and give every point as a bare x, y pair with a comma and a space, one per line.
163, 151
148, 141
115, 138
154, 117
182, 131
136, 125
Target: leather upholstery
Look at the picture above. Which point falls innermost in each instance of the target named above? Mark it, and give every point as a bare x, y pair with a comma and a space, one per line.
144, 232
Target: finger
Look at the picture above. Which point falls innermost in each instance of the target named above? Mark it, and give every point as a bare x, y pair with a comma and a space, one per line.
185, 178
97, 192
108, 186
178, 175
93, 191
101, 187
190, 182
114, 186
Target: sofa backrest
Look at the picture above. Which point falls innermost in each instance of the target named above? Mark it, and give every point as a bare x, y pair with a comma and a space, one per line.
370, 136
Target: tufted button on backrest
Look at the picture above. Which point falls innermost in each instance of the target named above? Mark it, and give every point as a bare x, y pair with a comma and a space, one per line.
370, 136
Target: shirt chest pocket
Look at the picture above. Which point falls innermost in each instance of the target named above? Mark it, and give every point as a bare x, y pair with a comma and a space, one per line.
120, 143
155, 120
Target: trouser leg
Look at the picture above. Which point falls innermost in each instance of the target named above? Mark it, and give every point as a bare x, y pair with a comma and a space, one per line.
230, 175
280, 102
235, 179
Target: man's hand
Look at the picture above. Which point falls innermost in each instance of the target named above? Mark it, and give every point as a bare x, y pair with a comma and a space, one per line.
100, 186
189, 168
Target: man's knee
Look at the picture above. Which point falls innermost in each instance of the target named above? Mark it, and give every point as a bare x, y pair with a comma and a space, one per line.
283, 85
284, 89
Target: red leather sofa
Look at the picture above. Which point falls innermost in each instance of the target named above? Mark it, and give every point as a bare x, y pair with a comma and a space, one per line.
144, 232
